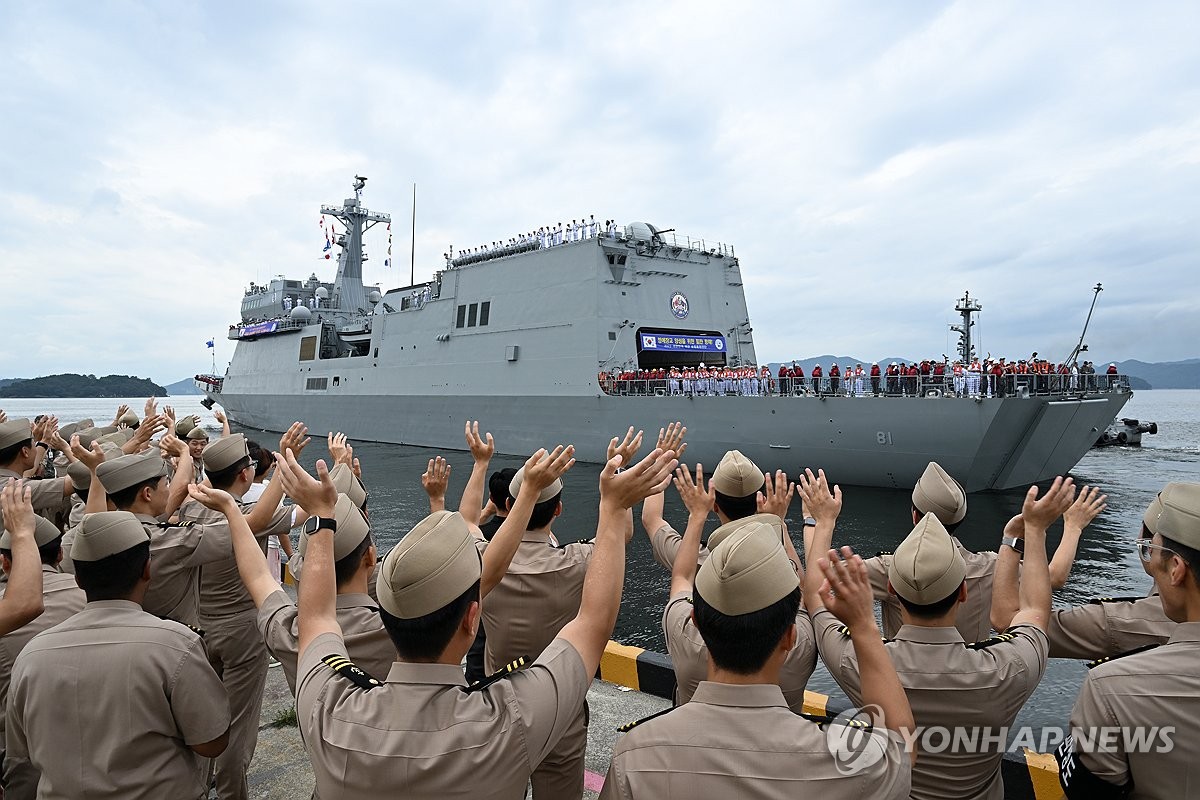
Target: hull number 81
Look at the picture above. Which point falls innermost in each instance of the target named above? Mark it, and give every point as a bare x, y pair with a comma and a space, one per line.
883, 437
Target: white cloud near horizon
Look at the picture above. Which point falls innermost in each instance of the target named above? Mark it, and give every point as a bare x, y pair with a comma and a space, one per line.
868, 161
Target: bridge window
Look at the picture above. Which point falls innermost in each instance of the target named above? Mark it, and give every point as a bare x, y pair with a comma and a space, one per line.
308, 349
472, 311
485, 311
462, 317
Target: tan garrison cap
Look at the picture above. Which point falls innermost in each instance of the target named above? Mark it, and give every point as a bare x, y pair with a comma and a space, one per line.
435, 563
119, 438
122, 472
352, 528
129, 418
184, 426
225, 452
737, 476
747, 572
347, 483
80, 475
90, 436
938, 494
197, 433
1180, 517
107, 533
514, 487
1150, 518
927, 566
44, 532
67, 431
15, 431
734, 525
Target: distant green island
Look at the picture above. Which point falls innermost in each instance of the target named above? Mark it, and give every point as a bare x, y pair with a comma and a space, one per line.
72, 385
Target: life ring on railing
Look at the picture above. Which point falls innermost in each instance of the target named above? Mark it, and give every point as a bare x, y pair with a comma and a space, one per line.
933, 393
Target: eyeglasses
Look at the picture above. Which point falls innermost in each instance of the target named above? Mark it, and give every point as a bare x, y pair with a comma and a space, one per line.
253, 465
1145, 549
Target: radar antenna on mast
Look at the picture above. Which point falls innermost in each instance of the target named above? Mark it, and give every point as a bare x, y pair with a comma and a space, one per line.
967, 306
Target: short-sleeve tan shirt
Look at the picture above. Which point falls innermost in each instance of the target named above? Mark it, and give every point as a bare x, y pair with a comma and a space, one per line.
974, 620
743, 741
46, 496
1105, 627
106, 703
366, 641
176, 555
539, 594
665, 543
689, 654
1146, 692
949, 685
422, 736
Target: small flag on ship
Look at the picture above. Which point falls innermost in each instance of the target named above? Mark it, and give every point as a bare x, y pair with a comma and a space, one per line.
210, 344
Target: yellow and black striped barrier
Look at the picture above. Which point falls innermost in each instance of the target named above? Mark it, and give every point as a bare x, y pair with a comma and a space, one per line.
1029, 776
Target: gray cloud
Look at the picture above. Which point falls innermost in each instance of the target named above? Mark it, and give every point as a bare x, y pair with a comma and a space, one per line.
868, 163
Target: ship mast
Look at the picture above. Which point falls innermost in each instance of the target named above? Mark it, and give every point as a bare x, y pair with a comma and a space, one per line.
967, 306
348, 294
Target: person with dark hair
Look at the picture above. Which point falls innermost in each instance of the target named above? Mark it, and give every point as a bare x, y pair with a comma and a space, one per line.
1104, 626
491, 735
736, 484
686, 646
1154, 688
61, 598
737, 737
21, 450
227, 612
541, 593
148, 707
937, 493
354, 555
991, 679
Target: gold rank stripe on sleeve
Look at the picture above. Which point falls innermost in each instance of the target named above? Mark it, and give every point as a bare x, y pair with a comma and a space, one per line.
1106, 659
198, 631
845, 631
501, 674
999, 638
824, 720
181, 524
346, 668
628, 726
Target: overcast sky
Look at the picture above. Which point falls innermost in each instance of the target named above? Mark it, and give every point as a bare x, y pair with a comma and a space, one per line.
869, 161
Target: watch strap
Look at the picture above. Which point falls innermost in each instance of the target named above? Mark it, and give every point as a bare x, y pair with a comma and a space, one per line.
1015, 543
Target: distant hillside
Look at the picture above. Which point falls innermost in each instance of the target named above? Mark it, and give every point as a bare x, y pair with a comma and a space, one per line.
184, 387
6, 381
1164, 374
825, 361
71, 385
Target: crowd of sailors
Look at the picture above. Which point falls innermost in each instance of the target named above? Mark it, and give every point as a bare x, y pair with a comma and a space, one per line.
546, 236
140, 608
927, 378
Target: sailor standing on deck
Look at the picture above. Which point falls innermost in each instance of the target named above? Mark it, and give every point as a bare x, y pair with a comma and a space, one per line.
1156, 690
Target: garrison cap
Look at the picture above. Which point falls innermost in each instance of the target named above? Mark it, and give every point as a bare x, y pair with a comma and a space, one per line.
119, 438
15, 431
352, 528
927, 566
1150, 518
1179, 520
129, 418
434, 564
122, 472
746, 572
107, 533
197, 433
737, 476
184, 426
67, 431
347, 483
80, 475
551, 491
939, 494
734, 525
92, 435
225, 452
44, 532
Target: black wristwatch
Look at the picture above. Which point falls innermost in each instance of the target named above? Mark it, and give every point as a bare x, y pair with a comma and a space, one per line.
1014, 542
43, 444
314, 524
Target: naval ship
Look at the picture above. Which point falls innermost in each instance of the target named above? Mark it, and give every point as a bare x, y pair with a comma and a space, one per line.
523, 337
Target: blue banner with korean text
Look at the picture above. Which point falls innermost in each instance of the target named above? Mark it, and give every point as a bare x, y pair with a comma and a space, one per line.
688, 343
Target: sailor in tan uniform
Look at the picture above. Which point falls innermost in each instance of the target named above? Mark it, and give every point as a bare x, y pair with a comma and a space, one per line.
139, 484
951, 684
197, 441
18, 454
734, 476
429, 735
737, 737
354, 553
227, 612
1105, 626
61, 598
115, 702
1149, 692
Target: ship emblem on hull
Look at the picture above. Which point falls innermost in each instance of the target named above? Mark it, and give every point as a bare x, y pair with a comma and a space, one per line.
679, 305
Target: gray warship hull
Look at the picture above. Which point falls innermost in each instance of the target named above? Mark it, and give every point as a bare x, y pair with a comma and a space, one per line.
523, 338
